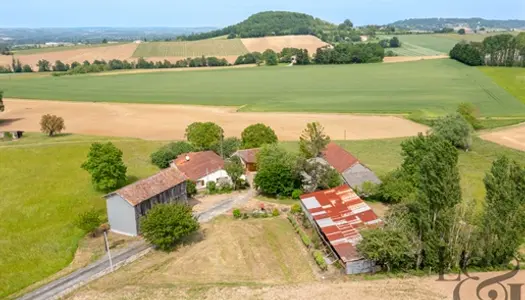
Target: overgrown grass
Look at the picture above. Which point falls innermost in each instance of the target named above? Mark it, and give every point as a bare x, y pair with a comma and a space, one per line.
437, 86
43, 189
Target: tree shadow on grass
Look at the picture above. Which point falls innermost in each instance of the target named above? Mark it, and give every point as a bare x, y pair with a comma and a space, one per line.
131, 179
6, 122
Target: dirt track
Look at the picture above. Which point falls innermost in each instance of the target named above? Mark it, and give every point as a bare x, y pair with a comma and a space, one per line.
513, 137
165, 122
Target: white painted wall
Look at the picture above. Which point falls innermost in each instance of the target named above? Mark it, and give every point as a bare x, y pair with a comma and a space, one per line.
211, 177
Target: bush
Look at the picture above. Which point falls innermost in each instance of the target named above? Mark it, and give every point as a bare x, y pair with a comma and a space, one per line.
237, 213
88, 222
167, 224
165, 154
51, 124
211, 186
275, 212
471, 114
316, 241
296, 208
296, 194
204, 135
455, 129
395, 188
319, 259
227, 147
306, 240
191, 188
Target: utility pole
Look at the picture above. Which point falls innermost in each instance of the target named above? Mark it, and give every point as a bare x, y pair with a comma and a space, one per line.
222, 151
107, 249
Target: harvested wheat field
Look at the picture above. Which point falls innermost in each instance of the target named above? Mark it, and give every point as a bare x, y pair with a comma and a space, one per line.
397, 59
513, 137
168, 122
123, 51
277, 43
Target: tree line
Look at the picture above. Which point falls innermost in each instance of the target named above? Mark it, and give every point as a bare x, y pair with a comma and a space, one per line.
503, 50
350, 54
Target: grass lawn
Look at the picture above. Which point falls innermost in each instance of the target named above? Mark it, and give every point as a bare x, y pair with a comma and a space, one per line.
210, 47
43, 189
511, 79
227, 252
433, 85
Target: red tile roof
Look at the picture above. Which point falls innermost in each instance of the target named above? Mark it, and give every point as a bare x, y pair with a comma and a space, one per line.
147, 188
249, 156
198, 164
338, 157
340, 214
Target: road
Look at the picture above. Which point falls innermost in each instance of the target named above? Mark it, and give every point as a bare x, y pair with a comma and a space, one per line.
67, 284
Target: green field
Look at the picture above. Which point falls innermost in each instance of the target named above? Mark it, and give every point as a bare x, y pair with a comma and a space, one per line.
212, 47
437, 43
434, 85
511, 79
62, 48
43, 189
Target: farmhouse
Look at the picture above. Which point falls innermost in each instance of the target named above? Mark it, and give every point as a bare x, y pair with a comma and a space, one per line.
354, 172
338, 215
201, 167
126, 205
248, 158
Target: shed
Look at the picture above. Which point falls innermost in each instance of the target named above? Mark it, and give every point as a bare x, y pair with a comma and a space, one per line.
126, 205
351, 169
248, 158
339, 214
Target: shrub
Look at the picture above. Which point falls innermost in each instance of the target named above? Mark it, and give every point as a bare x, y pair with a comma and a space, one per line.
245, 216
395, 187
316, 241
319, 259
106, 167
227, 147
455, 129
191, 188
51, 124
296, 194
88, 222
467, 54
306, 240
211, 186
167, 224
237, 213
275, 212
470, 113
296, 208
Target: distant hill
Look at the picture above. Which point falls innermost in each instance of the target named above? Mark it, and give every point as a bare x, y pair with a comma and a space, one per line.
270, 23
474, 23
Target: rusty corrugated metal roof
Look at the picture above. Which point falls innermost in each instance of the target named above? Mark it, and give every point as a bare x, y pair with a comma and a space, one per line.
340, 214
146, 188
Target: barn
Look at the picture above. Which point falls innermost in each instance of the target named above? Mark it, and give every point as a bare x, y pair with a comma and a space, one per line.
338, 215
126, 205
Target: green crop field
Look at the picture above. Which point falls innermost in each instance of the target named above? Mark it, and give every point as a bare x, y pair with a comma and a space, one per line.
511, 79
440, 44
212, 47
436, 86
43, 189
474, 37
61, 48
407, 49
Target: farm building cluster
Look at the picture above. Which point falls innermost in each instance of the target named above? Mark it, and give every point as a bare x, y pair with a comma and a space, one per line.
337, 214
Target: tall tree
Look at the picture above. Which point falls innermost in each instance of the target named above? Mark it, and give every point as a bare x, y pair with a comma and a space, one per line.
43, 66
51, 124
256, 135
104, 163
277, 172
204, 135
502, 225
235, 170
2, 107
313, 140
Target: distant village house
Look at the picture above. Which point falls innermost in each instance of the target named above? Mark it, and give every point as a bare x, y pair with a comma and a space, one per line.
126, 205
338, 215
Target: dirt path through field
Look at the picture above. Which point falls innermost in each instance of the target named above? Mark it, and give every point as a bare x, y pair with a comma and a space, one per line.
398, 59
165, 122
513, 137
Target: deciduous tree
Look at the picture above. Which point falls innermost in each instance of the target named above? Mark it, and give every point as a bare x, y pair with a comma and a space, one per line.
2, 107
455, 129
313, 140
88, 221
277, 172
235, 170
204, 135
165, 154
43, 66
165, 225
51, 124
105, 164
470, 113
256, 135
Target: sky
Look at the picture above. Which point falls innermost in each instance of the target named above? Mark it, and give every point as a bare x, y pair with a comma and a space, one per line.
204, 13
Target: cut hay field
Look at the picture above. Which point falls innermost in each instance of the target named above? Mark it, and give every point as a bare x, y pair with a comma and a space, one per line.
191, 49
437, 86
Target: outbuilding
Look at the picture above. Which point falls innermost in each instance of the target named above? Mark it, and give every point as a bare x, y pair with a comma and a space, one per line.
202, 167
126, 205
338, 215
248, 158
